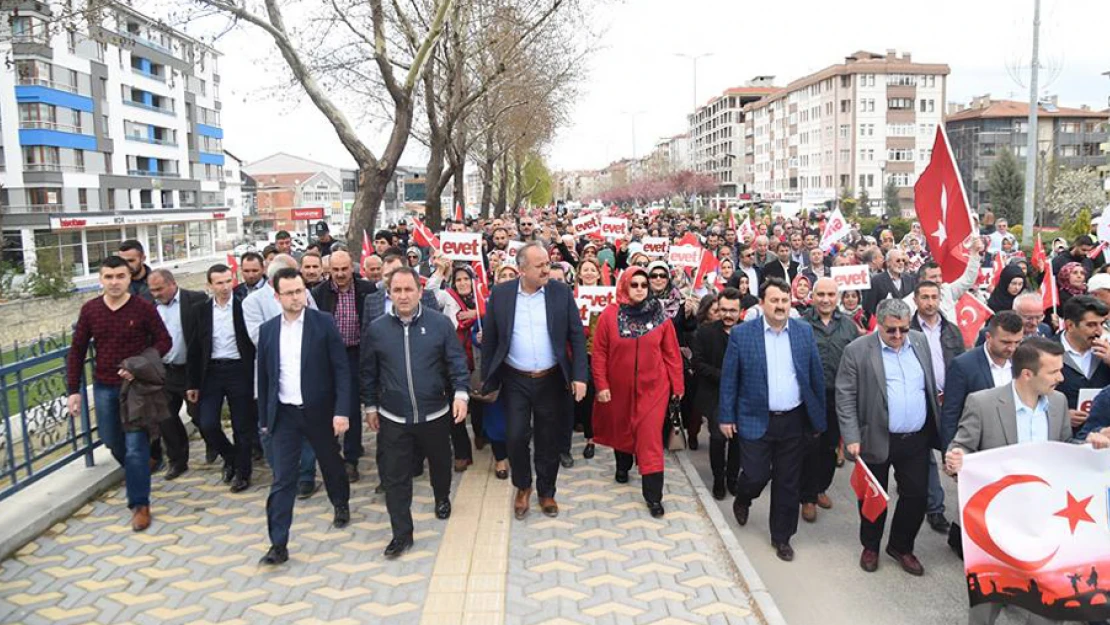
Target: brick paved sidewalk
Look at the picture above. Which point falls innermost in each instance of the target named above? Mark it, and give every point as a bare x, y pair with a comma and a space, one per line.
603, 560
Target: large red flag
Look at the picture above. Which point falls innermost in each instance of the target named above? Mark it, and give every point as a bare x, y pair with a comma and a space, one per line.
689, 239
731, 218
971, 316
367, 248
459, 214
424, 235
708, 263
868, 491
942, 209
1039, 260
606, 275
996, 269
1050, 295
481, 292
233, 263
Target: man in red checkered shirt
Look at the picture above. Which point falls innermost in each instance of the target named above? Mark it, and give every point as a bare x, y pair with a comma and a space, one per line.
122, 326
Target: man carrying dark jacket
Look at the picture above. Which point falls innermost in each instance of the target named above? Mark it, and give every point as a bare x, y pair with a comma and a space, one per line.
343, 296
414, 384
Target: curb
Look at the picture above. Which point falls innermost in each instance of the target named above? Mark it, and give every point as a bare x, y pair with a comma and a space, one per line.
765, 604
30, 512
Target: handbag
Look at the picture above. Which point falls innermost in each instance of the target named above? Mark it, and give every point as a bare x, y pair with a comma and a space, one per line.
476, 381
676, 438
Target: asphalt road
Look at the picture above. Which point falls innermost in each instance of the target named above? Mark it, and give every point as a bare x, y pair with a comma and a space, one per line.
824, 585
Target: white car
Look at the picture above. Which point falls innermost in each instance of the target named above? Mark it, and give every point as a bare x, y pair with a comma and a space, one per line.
243, 248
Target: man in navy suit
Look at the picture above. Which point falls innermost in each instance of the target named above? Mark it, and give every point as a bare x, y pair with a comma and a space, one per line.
977, 370
775, 421
530, 326
301, 397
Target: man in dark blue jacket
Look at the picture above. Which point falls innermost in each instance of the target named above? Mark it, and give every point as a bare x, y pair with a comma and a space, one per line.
301, 398
415, 383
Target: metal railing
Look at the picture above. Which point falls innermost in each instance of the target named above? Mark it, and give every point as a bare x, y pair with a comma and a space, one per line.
153, 173
150, 75
53, 167
165, 142
149, 107
38, 436
21, 209
43, 82
34, 124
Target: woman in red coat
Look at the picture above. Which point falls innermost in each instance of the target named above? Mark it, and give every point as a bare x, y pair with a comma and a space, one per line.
637, 368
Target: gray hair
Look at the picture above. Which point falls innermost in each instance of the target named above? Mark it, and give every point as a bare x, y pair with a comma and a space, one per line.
1026, 297
522, 253
164, 274
892, 308
279, 262
893, 252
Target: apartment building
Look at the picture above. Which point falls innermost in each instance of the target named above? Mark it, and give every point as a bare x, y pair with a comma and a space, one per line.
301, 192
109, 134
716, 136
1066, 137
850, 126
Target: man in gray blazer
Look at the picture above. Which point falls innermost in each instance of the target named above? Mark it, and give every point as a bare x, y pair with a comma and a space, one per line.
1028, 410
887, 408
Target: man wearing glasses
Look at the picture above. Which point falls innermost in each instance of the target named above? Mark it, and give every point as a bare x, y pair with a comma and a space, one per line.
886, 404
895, 282
749, 267
527, 230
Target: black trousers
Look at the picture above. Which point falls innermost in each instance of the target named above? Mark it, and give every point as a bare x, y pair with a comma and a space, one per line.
460, 439
584, 412
724, 453
401, 444
651, 484
819, 465
909, 455
476, 411
173, 430
535, 406
228, 380
292, 426
352, 440
776, 458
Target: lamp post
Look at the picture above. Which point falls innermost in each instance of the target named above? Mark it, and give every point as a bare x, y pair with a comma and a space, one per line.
694, 59
882, 185
633, 115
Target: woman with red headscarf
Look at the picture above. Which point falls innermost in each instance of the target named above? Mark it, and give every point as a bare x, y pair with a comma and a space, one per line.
637, 368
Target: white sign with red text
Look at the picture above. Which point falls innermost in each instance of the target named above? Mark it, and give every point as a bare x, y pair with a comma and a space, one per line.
461, 245
1086, 396
597, 297
852, 277
684, 256
590, 223
614, 227
655, 247
835, 230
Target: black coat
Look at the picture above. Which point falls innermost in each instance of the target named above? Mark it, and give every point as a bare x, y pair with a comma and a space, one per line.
774, 269
709, 345
200, 342
882, 286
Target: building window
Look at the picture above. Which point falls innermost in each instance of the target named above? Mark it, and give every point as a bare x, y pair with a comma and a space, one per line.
1070, 128
79, 160
76, 121
845, 131
900, 155
100, 245
866, 130
900, 104
83, 198
845, 106
927, 106
41, 158
62, 249
71, 41
845, 81
173, 242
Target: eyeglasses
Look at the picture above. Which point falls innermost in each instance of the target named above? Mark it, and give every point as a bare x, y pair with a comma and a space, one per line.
292, 293
897, 330
637, 285
658, 276
640, 264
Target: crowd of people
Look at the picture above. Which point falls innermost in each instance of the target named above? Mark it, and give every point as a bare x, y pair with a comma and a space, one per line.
789, 374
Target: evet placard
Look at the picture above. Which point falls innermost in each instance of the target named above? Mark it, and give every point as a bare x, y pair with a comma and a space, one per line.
852, 277
684, 256
597, 297
614, 227
461, 245
1086, 396
655, 247
590, 223
513, 247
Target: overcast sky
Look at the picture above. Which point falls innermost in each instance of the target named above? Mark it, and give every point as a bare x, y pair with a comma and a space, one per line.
636, 68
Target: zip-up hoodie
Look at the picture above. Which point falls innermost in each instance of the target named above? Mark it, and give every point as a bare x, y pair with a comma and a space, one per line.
409, 372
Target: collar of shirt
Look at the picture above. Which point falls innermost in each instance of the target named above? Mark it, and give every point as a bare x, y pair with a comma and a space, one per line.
1041, 407
176, 300
990, 361
767, 327
216, 304
520, 290
926, 326
1078, 355
885, 347
335, 287
298, 321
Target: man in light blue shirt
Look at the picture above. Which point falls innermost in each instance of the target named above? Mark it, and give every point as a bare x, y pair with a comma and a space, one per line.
530, 348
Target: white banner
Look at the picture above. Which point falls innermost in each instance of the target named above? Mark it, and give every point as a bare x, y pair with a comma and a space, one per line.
852, 277
1036, 532
597, 297
684, 256
614, 227
461, 245
835, 230
588, 223
656, 247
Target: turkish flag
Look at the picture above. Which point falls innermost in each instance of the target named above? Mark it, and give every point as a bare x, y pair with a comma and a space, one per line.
606, 275
424, 235
971, 316
731, 218
1050, 294
868, 491
942, 210
481, 292
460, 216
708, 263
233, 263
689, 239
747, 231
1039, 260
835, 230
996, 267
367, 248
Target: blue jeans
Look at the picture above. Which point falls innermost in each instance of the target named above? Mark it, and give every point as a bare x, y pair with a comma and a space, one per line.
130, 449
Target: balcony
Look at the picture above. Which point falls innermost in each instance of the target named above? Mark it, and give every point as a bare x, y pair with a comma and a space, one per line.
165, 142
48, 125
136, 70
50, 84
146, 173
146, 205
57, 167
146, 42
38, 37
25, 209
149, 107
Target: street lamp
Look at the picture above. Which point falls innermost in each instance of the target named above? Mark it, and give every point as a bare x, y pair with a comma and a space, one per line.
694, 59
633, 115
882, 185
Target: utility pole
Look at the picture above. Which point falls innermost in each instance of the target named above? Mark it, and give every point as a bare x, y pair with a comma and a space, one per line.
1031, 136
633, 115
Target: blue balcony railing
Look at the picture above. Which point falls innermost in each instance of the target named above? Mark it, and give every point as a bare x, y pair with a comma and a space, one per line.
149, 107
38, 436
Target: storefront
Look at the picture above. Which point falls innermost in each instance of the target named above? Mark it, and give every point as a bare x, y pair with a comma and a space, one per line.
79, 243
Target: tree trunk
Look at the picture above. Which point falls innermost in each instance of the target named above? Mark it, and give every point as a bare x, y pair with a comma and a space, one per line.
503, 187
372, 182
487, 176
433, 184
460, 184
518, 182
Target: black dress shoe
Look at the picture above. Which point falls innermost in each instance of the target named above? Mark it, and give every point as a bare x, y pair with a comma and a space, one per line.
352, 473
718, 488
240, 484
740, 511
342, 517
655, 508
566, 460
784, 551
589, 451
443, 509
622, 477
210, 454
307, 489
396, 547
175, 472
229, 472
937, 521
276, 555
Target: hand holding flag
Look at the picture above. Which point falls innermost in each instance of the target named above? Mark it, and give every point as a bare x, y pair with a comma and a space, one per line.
869, 491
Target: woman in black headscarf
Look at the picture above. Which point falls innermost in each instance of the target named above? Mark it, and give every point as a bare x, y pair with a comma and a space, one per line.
1011, 283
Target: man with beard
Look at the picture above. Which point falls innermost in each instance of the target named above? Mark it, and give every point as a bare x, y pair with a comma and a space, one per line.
132, 252
710, 343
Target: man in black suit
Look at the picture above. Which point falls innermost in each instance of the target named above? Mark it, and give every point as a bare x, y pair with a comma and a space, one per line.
710, 343
174, 306
220, 359
1086, 352
534, 371
253, 270
300, 398
783, 267
895, 282
977, 370
343, 296
750, 267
